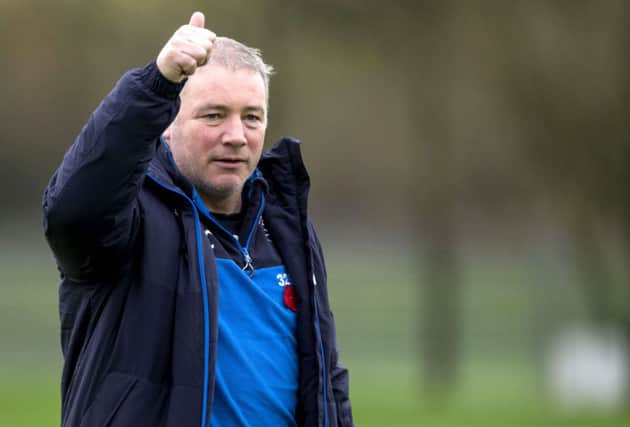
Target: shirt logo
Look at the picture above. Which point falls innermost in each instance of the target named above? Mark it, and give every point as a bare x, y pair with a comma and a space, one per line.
283, 280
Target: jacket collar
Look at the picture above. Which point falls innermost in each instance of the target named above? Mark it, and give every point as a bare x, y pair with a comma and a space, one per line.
283, 169
164, 169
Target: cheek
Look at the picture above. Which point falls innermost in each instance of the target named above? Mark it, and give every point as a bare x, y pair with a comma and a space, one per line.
204, 138
256, 141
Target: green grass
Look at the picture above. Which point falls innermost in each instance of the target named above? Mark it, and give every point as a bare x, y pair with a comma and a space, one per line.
376, 301
29, 400
383, 394
389, 395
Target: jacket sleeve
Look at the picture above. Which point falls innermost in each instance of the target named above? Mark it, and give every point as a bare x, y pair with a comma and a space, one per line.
91, 212
339, 376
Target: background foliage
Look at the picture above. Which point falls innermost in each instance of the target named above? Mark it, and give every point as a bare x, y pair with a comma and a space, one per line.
469, 168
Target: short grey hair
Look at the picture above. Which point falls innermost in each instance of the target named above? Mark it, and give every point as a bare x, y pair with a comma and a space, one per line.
235, 55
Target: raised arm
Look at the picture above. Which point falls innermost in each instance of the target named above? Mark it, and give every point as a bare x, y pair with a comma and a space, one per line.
90, 206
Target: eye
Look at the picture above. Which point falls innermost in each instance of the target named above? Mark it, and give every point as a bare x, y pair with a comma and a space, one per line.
252, 118
214, 116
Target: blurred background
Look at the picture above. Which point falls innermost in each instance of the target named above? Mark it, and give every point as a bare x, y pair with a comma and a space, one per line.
469, 168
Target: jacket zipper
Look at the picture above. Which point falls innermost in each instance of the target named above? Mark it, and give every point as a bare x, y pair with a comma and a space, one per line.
204, 297
248, 265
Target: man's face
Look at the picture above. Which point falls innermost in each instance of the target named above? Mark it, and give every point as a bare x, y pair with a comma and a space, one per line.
218, 134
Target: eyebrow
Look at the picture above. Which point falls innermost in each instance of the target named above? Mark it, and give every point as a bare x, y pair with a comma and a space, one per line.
224, 108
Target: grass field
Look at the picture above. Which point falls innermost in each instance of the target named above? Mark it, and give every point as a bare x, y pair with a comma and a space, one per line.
376, 307
387, 398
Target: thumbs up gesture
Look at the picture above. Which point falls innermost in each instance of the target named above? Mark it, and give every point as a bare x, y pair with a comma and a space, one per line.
187, 49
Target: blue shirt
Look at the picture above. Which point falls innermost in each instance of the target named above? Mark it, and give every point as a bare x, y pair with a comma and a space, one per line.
256, 360
256, 367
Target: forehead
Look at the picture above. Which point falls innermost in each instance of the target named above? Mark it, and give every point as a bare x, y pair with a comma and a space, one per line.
215, 84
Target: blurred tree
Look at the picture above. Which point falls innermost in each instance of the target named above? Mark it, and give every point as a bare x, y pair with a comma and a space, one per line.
416, 40
428, 60
568, 82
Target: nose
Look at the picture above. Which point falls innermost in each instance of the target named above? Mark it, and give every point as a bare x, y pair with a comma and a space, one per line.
234, 132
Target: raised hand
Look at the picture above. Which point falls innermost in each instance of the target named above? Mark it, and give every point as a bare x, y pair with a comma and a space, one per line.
188, 48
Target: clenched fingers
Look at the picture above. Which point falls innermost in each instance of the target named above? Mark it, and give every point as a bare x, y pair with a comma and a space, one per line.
188, 48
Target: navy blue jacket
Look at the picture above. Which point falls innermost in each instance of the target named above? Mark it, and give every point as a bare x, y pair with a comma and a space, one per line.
138, 293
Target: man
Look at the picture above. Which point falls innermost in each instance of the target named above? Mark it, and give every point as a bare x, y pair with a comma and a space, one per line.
193, 287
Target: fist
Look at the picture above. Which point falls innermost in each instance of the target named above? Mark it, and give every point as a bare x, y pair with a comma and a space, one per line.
187, 49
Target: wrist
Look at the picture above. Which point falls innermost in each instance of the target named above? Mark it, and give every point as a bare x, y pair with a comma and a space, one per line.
159, 84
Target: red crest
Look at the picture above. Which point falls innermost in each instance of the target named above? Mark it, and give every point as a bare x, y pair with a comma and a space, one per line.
290, 297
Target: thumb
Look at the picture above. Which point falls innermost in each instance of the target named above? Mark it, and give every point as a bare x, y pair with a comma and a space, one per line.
197, 20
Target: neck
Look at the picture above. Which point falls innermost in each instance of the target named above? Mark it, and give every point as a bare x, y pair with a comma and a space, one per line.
226, 205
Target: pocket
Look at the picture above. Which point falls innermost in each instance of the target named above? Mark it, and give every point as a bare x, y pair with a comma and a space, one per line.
113, 392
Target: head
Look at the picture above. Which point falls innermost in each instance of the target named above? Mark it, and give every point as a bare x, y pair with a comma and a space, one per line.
219, 131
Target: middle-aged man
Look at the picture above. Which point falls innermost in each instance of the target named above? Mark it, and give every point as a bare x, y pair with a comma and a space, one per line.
193, 287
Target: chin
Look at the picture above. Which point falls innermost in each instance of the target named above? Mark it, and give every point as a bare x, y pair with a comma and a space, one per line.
227, 187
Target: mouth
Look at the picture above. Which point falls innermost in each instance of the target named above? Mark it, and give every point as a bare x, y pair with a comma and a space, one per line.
229, 162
